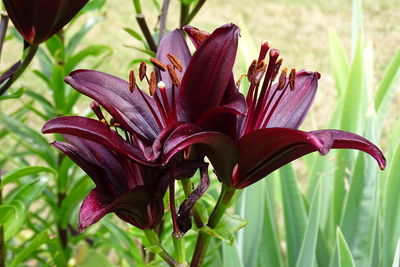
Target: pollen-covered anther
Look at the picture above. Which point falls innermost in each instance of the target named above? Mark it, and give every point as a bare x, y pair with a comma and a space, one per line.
142, 71
252, 69
282, 79
174, 77
175, 62
158, 64
292, 79
103, 121
278, 65
152, 83
258, 76
132, 81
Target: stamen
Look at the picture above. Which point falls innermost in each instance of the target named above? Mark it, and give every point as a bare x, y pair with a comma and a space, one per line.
142, 71
103, 121
264, 50
165, 102
152, 83
97, 110
114, 123
239, 81
292, 79
252, 69
282, 80
174, 77
276, 70
175, 62
158, 64
132, 81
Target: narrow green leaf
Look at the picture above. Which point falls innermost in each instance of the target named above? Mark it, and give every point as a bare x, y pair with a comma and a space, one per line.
92, 50
14, 175
339, 62
294, 212
307, 252
345, 258
231, 256
6, 213
226, 228
396, 260
32, 246
58, 87
17, 94
80, 34
134, 34
391, 210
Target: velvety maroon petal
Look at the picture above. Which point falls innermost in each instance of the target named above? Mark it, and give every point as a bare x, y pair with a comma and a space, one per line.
94, 207
195, 35
219, 148
263, 151
294, 105
95, 131
341, 139
173, 43
129, 109
185, 209
207, 76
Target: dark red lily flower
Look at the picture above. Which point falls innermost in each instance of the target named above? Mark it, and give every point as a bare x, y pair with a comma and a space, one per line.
189, 94
133, 192
38, 20
267, 137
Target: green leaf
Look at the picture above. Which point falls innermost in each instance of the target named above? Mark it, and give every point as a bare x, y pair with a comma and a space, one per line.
249, 238
226, 228
55, 47
92, 50
345, 259
391, 210
79, 35
387, 87
309, 244
14, 175
17, 94
339, 62
396, 260
230, 256
58, 87
134, 34
6, 213
93, 5
29, 249
294, 212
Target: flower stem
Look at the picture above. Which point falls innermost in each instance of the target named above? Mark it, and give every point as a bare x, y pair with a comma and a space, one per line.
154, 241
3, 30
203, 239
194, 12
184, 12
146, 32
187, 188
2, 245
30, 54
138, 6
163, 18
179, 245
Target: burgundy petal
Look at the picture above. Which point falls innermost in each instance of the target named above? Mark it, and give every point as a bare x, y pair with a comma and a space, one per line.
265, 150
186, 208
196, 36
128, 109
341, 139
38, 20
207, 76
294, 104
94, 207
173, 43
219, 148
95, 131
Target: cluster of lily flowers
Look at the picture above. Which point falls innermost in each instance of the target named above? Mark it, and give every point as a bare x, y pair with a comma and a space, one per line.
193, 109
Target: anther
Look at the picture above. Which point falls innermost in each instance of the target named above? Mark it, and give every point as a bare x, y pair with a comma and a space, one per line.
282, 79
252, 69
264, 50
152, 83
174, 77
278, 65
258, 76
114, 123
158, 64
240, 80
132, 81
142, 71
175, 62
103, 121
292, 79
97, 110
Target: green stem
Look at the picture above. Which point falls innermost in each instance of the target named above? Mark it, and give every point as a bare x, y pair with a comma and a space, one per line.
194, 12
184, 13
24, 64
146, 31
2, 245
187, 188
179, 245
138, 6
203, 239
3, 30
154, 241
